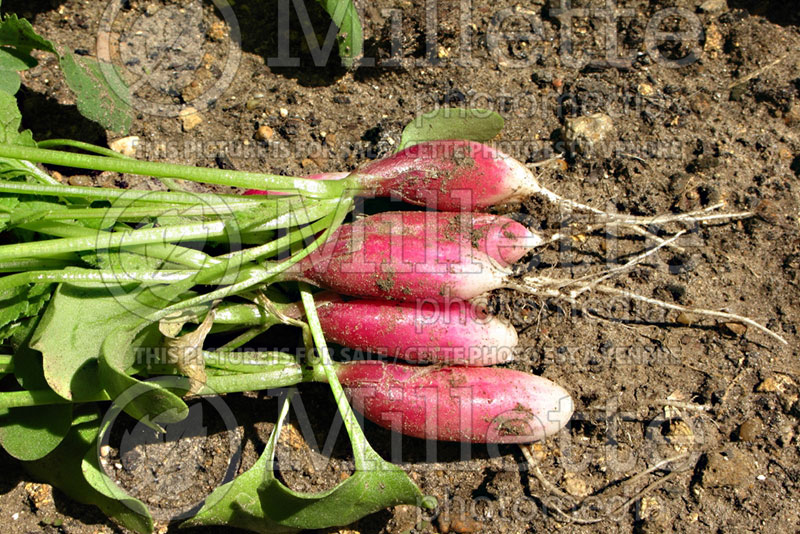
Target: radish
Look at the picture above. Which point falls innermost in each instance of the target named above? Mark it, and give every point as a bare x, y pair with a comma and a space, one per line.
456, 333
471, 404
501, 238
362, 261
448, 175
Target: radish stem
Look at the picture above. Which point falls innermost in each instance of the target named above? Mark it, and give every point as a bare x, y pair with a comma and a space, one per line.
253, 180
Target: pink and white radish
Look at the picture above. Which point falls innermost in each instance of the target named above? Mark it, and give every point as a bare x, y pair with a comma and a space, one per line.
470, 404
455, 333
362, 261
501, 238
447, 175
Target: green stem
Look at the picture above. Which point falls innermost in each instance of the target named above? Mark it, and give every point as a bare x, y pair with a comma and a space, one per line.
41, 397
111, 240
38, 173
188, 257
90, 275
241, 314
80, 145
329, 224
136, 214
14, 266
130, 195
280, 375
357, 438
254, 180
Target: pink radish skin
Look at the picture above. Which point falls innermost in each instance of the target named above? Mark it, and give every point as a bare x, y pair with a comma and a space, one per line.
501, 238
470, 404
450, 175
455, 333
361, 261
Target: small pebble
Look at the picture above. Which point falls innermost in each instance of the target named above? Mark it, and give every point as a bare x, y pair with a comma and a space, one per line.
218, 31
190, 118
283, 112
253, 103
749, 430
589, 135
645, 89
264, 133
125, 145
710, 6
737, 329
80, 180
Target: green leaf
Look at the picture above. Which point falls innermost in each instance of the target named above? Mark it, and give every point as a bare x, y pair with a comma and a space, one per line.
145, 401
102, 94
97, 478
19, 33
65, 469
452, 123
13, 59
33, 432
10, 120
350, 38
258, 501
72, 331
20, 303
70, 334
9, 82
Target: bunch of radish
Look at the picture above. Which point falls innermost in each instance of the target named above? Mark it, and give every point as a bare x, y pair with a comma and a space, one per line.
408, 284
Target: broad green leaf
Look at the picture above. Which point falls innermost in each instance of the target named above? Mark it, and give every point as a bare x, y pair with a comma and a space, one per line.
145, 401
452, 123
33, 432
258, 501
10, 119
102, 95
20, 303
9, 82
73, 329
350, 37
19, 33
13, 59
71, 332
64, 469
97, 478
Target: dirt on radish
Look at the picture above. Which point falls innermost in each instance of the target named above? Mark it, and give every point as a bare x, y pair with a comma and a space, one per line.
718, 400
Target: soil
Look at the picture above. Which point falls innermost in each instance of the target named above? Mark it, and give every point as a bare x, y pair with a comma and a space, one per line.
648, 385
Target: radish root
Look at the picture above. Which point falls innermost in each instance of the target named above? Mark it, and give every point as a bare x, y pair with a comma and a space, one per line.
570, 289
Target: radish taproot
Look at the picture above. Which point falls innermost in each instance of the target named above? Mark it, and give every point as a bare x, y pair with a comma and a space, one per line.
362, 261
454, 333
501, 238
448, 175
469, 404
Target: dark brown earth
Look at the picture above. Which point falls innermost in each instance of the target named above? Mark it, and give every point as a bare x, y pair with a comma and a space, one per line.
647, 387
